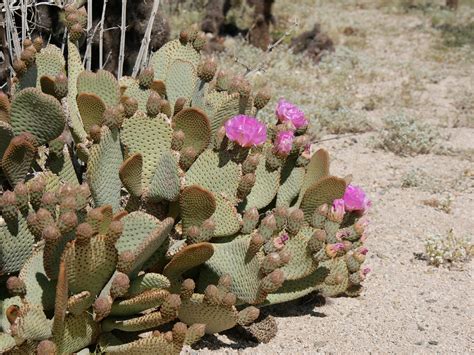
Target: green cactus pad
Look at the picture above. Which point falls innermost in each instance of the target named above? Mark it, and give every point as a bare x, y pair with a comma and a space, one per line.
79, 303
62, 166
221, 106
103, 84
150, 137
137, 226
150, 245
6, 134
291, 182
5, 304
195, 125
7, 342
187, 258
130, 174
146, 282
150, 345
4, 108
138, 93
326, 190
166, 55
79, 332
91, 107
143, 322
266, 186
217, 318
215, 172
336, 266
74, 68
317, 168
37, 113
165, 184
90, 265
32, 323
40, 290
301, 263
17, 159
146, 300
197, 205
231, 258
294, 289
103, 167
180, 80
50, 62
16, 245
226, 217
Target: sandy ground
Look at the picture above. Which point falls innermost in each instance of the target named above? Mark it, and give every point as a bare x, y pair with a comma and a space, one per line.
407, 306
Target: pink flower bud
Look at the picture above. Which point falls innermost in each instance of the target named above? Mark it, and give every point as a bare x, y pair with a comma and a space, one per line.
366, 270
246, 131
337, 247
280, 241
363, 250
337, 210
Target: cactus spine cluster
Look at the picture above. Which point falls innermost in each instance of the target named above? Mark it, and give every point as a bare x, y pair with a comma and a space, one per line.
134, 224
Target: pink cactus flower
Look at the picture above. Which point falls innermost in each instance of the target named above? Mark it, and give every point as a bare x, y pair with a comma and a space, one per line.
366, 270
246, 131
363, 250
284, 142
355, 199
286, 111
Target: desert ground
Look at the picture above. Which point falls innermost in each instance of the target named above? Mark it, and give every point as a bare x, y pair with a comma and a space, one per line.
401, 61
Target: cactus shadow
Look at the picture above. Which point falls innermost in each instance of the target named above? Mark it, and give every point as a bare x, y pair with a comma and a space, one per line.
213, 342
236, 340
303, 306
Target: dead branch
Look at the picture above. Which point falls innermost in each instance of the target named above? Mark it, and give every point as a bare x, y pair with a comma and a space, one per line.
143, 53
123, 28
101, 35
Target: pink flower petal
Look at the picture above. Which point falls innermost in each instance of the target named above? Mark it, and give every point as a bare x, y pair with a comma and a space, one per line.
246, 131
286, 111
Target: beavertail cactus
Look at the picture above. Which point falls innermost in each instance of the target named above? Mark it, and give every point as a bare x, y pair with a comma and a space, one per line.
160, 202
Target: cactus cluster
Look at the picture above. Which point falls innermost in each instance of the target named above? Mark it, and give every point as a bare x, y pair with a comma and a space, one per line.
143, 213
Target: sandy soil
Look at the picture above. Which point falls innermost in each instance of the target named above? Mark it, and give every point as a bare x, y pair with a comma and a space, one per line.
407, 306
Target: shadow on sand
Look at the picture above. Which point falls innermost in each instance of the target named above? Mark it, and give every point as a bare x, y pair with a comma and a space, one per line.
237, 339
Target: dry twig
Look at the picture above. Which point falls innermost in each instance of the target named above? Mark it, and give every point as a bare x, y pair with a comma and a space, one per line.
123, 28
266, 55
143, 53
101, 36
89, 37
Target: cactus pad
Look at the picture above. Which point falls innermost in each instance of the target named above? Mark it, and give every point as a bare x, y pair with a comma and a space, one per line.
37, 113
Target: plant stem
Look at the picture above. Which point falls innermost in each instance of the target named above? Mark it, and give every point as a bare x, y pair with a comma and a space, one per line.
123, 28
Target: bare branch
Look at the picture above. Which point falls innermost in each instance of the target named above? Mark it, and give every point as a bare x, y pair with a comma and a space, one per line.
123, 28
101, 36
24, 25
6, 53
89, 37
143, 53
11, 30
